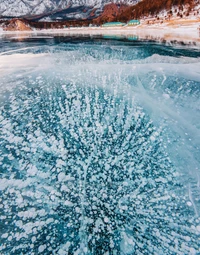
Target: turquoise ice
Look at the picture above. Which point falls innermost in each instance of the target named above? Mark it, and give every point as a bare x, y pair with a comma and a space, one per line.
99, 149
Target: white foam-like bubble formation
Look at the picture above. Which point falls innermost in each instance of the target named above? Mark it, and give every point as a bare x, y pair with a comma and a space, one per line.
98, 153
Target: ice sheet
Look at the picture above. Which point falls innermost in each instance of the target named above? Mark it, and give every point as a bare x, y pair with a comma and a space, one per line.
99, 151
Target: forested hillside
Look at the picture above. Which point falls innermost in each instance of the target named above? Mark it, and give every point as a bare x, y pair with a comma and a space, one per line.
153, 8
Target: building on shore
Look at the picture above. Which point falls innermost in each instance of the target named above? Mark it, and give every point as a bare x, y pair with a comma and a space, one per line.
114, 24
133, 22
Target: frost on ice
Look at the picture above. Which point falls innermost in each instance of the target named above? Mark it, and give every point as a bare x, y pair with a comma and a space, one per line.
84, 171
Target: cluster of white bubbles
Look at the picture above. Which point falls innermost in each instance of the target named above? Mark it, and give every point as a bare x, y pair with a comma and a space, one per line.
84, 169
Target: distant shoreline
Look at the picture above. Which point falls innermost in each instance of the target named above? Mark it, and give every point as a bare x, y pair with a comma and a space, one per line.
182, 30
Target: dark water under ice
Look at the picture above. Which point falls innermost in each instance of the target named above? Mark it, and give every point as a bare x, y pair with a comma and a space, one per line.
99, 147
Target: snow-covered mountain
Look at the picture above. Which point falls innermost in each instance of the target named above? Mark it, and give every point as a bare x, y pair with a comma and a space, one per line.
99, 11
17, 8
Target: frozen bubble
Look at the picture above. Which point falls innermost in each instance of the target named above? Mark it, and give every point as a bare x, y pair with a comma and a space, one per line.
41, 248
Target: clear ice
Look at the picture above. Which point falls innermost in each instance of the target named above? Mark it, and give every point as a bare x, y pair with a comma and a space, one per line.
99, 150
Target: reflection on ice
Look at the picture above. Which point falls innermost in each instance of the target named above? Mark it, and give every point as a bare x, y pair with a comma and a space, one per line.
99, 152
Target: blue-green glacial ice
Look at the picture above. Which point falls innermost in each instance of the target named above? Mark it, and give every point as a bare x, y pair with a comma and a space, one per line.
99, 148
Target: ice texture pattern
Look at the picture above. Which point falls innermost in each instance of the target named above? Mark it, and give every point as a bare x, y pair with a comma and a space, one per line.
99, 149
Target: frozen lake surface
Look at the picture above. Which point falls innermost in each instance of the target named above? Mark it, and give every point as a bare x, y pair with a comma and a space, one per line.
99, 147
